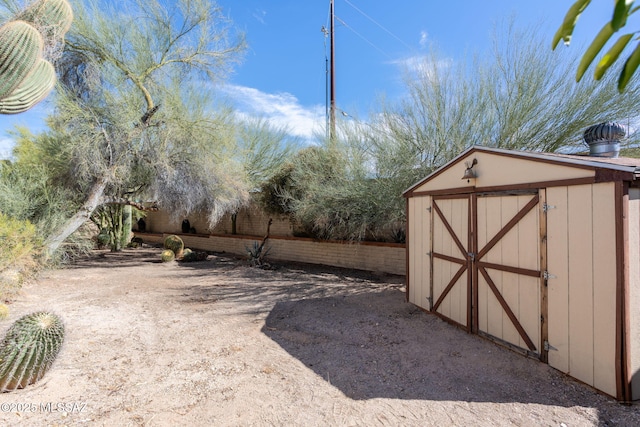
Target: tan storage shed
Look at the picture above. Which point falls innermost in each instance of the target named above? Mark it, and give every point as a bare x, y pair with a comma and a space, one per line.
539, 252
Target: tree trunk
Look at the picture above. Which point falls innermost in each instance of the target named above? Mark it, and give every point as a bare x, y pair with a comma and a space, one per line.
94, 200
125, 237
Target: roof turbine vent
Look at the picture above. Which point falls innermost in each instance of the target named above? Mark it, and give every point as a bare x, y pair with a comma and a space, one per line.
604, 139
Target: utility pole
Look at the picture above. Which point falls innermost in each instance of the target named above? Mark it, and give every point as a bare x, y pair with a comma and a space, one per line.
332, 111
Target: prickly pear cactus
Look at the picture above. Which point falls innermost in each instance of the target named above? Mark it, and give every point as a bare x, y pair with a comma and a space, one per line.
29, 349
176, 244
167, 255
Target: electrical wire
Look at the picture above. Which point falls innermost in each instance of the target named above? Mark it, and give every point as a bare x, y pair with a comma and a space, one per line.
364, 38
379, 25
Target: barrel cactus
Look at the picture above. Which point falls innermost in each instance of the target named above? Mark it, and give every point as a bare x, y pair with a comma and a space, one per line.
167, 255
29, 348
26, 77
32, 90
174, 243
20, 49
53, 17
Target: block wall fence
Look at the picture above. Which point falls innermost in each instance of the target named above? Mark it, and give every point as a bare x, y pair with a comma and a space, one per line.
251, 226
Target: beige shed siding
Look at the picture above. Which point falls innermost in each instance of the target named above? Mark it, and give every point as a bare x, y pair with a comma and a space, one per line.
634, 290
419, 246
581, 249
497, 170
373, 257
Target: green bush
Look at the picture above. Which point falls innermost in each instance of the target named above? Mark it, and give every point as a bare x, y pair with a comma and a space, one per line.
19, 248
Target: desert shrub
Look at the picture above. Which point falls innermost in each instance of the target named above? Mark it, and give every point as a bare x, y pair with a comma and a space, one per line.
19, 248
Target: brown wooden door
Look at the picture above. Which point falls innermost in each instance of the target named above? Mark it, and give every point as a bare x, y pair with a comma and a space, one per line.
487, 253
508, 283
451, 268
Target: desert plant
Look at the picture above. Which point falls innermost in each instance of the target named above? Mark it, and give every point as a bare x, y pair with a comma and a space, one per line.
174, 243
192, 256
167, 255
26, 77
4, 311
29, 348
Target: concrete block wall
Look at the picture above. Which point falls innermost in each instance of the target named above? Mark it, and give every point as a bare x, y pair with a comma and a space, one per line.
250, 222
380, 257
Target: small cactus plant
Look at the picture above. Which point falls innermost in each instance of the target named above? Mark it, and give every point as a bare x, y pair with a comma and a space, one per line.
29, 348
192, 256
167, 255
176, 244
26, 77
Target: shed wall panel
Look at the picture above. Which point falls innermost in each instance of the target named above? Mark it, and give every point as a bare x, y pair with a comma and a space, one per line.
604, 287
634, 291
581, 283
558, 286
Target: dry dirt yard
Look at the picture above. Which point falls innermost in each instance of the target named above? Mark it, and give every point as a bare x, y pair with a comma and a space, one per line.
217, 343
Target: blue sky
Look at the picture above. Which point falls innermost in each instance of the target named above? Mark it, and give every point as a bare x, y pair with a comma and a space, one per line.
282, 76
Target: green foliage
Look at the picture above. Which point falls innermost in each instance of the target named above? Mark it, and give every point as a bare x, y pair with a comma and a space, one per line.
19, 248
256, 253
175, 244
29, 349
622, 10
167, 255
18, 240
515, 98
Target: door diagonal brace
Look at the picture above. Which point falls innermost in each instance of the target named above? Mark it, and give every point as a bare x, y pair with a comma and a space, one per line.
507, 309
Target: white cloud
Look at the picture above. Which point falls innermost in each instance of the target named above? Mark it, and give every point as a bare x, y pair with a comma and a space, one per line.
423, 64
282, 109
259, 15
6, 145
424, 37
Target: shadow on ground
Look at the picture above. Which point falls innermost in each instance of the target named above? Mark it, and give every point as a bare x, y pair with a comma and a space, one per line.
376, 345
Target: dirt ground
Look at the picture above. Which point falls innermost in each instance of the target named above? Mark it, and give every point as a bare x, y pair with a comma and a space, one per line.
217, 343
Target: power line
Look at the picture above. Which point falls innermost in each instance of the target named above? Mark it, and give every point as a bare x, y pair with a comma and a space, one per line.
379, 25
364, 38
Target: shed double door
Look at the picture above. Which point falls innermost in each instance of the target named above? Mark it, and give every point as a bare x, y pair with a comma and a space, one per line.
486, 263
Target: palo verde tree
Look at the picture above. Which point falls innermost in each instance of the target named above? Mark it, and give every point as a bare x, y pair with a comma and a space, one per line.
129, 118
517, 97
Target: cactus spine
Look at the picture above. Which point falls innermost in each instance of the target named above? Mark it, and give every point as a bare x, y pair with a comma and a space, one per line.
24, 78
29, 349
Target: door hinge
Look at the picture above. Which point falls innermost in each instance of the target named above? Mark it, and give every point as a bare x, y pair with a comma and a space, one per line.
548, 346
546, 275
547, 208
429, 209
428, 254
